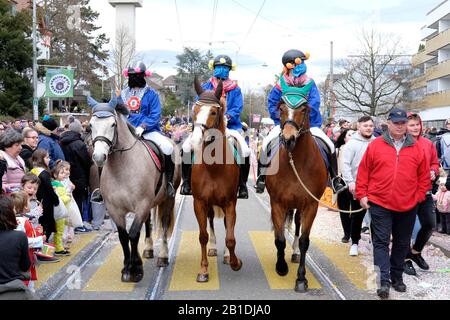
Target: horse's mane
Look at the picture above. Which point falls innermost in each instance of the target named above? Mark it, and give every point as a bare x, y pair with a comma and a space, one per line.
123, 110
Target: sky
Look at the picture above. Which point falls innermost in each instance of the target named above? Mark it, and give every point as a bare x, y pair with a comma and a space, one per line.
253, 40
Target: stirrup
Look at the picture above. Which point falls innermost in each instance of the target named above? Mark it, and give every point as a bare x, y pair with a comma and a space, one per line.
243, 192
338, 184
260, 184
186, 189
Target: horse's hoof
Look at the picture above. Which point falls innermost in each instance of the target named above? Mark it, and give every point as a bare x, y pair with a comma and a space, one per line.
212, 253
202, 277
238, 266
282, 268
137, 277
301, 286
226, 260
148, 254
126, 277
162, 262
295, 258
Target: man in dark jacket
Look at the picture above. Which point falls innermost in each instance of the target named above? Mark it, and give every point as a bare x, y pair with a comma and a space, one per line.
30, 142
76, 153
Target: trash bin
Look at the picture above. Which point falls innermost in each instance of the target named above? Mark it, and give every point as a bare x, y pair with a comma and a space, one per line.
98, 214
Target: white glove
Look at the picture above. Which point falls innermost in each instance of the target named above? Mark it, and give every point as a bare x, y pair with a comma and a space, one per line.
139, 131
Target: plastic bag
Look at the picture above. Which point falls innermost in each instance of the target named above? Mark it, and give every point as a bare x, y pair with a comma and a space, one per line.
60, 211
74, 215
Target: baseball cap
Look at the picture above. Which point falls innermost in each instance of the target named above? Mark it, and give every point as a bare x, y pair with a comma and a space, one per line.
397, 115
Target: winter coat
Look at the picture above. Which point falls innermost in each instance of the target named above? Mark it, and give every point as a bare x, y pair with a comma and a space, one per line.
49, 141
12, 178
48, 198
76, 153
26, 155
149, 114
235, 102
354, 151
397, 181
315, 118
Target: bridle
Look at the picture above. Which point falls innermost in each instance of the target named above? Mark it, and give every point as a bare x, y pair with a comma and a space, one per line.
204, 127
111, 144
300, 128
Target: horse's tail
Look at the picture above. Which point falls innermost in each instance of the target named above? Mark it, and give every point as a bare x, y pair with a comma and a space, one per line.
165, 218
218, 212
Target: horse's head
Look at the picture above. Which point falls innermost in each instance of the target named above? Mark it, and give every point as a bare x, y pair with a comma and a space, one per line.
294, 121
104, 130
209, 112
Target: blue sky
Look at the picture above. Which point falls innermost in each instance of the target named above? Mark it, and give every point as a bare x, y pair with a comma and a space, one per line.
281, 25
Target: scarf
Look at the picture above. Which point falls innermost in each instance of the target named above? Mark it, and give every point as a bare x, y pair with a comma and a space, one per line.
228, 84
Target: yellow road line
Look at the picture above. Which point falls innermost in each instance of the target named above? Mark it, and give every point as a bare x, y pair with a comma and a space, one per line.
45, 271
187, 266
352, 267
107, 278
263, 241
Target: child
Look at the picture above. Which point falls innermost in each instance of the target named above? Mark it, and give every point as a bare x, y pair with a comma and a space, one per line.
45, 193
21, 207
442, 198
59, 176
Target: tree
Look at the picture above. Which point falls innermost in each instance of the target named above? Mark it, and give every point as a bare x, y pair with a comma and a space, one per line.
374, 81
190, 63
171, 103
72, 24
16, 52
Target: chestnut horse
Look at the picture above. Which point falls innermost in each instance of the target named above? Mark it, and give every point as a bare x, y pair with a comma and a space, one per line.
215, 181
286, 193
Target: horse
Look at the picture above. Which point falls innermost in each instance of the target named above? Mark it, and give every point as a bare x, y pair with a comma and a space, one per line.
131, 183
214, 183
286, 193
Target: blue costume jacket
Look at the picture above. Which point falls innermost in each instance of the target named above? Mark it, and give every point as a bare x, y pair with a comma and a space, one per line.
149, 114
235, 104
315, 117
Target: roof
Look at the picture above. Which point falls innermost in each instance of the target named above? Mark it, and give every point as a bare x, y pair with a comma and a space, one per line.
170, 81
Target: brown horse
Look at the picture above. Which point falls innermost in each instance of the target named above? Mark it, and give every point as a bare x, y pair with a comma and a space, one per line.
286, 193
214, 181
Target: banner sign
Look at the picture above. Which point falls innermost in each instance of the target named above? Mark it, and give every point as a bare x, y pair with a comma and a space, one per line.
59, 83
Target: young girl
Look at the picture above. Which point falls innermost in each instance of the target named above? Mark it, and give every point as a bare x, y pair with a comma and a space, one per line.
30, 184
45, 193
442, 198
21, 208
59, 176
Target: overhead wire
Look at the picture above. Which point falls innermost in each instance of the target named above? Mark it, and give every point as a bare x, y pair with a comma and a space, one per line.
251, 26
213, 20
179, 24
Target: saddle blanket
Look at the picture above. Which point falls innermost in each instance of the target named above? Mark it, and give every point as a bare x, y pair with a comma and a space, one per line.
149, 145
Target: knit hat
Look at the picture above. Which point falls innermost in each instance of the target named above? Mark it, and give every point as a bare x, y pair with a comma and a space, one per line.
50, 124
75, 125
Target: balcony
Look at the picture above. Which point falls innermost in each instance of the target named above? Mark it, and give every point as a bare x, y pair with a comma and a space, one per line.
438, 71
438, 99
419, 82
438, 42
420, 58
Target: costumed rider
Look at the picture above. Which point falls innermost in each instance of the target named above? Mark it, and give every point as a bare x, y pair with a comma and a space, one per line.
145, 115
294, 75
222, 65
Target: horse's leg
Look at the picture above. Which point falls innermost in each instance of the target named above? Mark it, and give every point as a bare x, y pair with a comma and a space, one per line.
307, 219
278, 219
136, 270
212, 251
124, 239
226, 252
295, 247
230, 240
201, 213
148, 250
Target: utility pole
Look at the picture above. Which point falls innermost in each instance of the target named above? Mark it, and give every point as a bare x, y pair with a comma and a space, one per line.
331, 99
35, 98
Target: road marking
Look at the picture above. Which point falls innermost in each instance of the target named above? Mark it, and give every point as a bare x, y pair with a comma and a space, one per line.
352, 267
107, 278
263, 242
187, 266
46, 270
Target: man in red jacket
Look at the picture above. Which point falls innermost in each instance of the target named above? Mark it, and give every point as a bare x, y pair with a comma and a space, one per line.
425, 211
392, 179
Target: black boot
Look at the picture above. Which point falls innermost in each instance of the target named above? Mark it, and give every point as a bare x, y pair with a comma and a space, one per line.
261, 180
337, 183
243, 177
186, 169
169, 170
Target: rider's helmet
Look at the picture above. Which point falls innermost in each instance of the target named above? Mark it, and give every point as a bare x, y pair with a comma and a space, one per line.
293, 57
222, 60
139, 68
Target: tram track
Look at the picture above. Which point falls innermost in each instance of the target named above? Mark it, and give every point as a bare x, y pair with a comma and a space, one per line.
312, 264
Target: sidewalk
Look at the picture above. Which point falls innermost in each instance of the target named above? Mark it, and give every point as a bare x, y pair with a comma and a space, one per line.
441, 241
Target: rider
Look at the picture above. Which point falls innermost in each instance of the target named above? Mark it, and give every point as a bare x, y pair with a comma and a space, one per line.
222, 65
294, 73
145, 114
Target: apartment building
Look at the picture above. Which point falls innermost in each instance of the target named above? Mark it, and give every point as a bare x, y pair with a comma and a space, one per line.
431, 85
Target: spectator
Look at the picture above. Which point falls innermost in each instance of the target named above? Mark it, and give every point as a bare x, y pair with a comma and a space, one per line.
45, 193
444, 147
48, 140
10, 146
344, 124
425, 209
17, 125
76, 153
442, 198
354, 152
393, 177
30, 142
14, 258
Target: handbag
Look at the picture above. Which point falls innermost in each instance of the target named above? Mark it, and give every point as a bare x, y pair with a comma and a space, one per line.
60, 211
